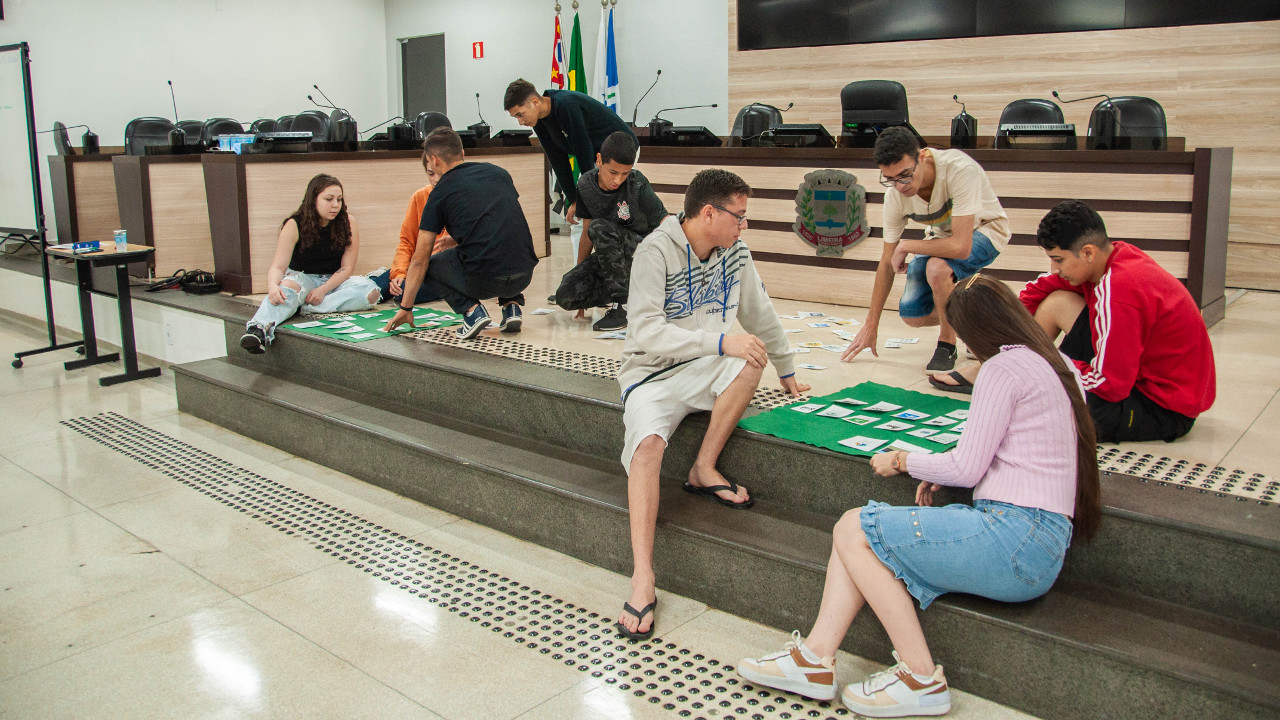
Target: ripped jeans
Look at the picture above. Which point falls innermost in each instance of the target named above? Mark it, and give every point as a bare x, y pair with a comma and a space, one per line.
352, 294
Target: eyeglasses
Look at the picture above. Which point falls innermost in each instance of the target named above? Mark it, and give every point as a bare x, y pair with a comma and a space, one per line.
740, 218
903, 178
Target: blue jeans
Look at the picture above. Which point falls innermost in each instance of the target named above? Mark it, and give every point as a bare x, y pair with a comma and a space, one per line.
383, 281
997, 550
352, 294
447, 279
917, 298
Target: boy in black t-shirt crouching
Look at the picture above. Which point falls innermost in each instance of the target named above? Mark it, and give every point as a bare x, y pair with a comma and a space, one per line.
618, 208
479, 204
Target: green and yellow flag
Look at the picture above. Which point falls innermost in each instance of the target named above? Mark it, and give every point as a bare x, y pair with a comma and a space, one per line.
577, 68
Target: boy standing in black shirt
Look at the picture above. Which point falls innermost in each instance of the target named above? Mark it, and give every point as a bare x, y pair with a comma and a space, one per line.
618, 209
494, 256
568, 124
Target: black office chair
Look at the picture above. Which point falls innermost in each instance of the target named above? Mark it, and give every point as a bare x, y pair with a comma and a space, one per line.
342, 127
869, 106
284, 123
213, 127
144, 132
751, 121
314, 122
1128, 123
428, 121
1031, 111
192, 129
61, 142
263, 125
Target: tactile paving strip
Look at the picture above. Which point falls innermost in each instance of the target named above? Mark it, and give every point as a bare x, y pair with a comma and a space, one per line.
1186, 475
602, 367
678, 679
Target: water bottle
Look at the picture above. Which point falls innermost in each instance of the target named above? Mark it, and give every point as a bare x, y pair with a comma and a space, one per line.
122, 240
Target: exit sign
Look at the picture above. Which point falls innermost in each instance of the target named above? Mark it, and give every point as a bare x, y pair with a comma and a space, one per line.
477, 50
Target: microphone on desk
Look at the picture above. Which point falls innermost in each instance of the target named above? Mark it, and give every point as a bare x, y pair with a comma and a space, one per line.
964, 127
1108, 122
346, 125
636, 109
177, 137
88, 141
481, 129
660, 128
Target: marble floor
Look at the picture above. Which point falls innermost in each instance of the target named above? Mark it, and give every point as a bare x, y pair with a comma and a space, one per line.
128, 593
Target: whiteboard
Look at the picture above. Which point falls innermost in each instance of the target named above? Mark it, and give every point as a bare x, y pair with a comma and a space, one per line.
17, 190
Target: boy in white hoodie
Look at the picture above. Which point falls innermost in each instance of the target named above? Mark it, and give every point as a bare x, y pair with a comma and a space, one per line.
690, 279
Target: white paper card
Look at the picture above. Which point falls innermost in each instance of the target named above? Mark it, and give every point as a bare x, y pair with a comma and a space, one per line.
807, 407
894, 426
922, 432
944, 438
364, 335
905, 446
836, 411
911, 415
313, 323
542, 311
882, 407
808, 366
940, 420
862, 419
865, 444
959, 414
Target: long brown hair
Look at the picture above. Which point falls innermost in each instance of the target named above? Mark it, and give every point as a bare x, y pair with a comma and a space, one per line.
986, 315
309, 220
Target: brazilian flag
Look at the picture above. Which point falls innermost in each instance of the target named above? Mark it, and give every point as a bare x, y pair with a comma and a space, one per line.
577, 75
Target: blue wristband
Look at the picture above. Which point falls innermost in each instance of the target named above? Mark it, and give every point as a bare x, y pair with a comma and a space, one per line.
720, 345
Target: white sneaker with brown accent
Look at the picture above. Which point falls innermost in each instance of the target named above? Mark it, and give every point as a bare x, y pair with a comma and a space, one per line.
897, 692
795, 669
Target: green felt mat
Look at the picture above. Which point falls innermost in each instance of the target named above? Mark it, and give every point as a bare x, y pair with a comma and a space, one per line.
370, 324
827, 432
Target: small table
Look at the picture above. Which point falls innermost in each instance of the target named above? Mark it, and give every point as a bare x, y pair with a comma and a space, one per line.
85, 263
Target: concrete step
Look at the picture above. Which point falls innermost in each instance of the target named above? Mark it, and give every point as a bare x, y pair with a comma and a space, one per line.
1177, 546
1086, 650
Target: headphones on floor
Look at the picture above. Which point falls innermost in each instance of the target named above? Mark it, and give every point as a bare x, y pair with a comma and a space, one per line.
196, 282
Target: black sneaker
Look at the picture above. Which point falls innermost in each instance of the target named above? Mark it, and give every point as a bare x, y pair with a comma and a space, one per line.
473, 323
615, 319
254, 340
552, 299
943, 360
511, 319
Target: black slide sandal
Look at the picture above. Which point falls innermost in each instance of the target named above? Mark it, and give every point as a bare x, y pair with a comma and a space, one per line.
962, 386
650, 608
711, 493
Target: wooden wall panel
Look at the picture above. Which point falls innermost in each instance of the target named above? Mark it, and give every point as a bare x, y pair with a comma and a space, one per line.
97, 213
179, 218
1219, 85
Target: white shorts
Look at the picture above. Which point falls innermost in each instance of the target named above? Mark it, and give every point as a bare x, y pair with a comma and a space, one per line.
658, 406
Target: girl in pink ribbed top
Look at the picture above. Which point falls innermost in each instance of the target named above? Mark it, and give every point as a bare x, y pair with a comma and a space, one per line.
1027, 451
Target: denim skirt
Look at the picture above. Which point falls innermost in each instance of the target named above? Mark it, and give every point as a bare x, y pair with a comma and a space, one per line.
997, 550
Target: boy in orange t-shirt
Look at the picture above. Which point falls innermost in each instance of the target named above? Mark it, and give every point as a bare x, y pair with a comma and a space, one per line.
391, 282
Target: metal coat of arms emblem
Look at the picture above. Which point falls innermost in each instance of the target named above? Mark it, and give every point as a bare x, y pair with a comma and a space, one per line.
831, 212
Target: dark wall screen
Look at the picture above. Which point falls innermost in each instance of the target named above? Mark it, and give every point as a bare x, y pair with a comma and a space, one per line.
764, 24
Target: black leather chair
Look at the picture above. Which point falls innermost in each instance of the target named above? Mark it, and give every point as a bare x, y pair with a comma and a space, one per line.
143, 132
61, 142
192, 129
263, 125
284, 123
342, 127
1031, 111
869, 106
751, 121
428, 121
312, 121
1128, 123
213, 127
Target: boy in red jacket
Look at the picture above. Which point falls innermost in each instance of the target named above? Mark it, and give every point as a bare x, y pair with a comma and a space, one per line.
1133, 330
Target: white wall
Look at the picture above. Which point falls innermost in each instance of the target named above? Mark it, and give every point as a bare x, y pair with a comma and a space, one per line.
687, 39
105, 62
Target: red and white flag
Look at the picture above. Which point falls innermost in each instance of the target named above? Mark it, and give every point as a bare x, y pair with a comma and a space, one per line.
557, 59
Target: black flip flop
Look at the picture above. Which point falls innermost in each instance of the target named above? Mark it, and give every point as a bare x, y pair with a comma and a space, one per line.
711, 493
962, 386
624, 632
